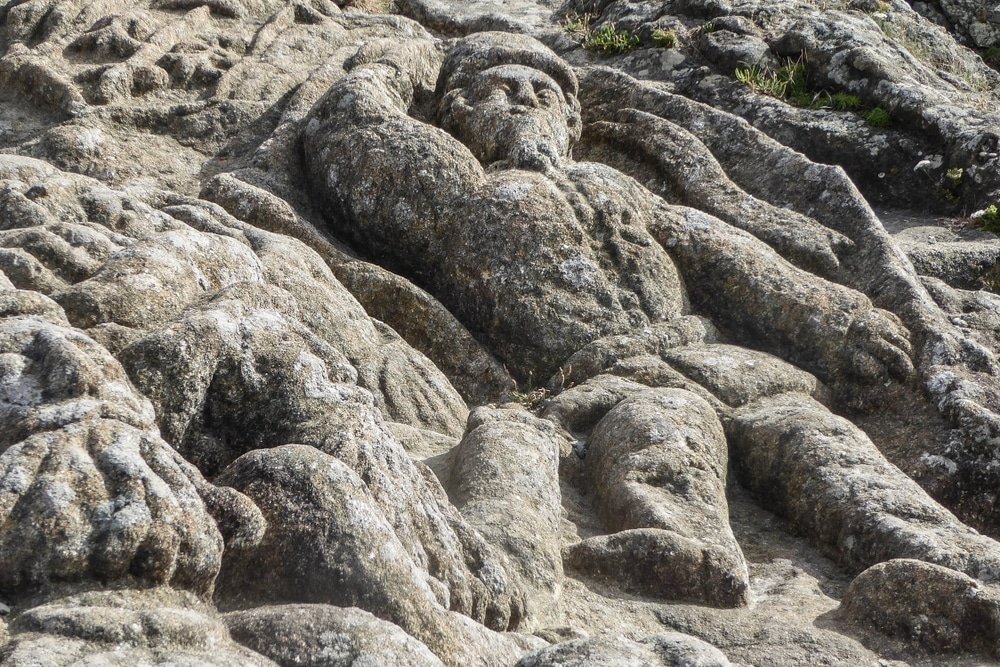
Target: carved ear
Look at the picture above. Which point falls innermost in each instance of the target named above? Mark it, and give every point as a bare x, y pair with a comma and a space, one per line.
573, 120
454, 111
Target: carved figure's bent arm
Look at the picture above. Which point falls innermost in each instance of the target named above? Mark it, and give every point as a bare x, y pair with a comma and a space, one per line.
638, 142
832, 330
355, 144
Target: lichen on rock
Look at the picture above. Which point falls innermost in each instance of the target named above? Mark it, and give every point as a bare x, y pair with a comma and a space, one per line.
446, 333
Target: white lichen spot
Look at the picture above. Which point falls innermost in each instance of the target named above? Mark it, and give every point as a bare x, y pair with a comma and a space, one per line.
315, 382
17, 385
337, 648
346, 101
17, 480
663, 433
129, 517
402, 212
266, 320
225, 326
89, 139
929, 163
58, 496
512, 191
724, 363
672, 402
670, 59
579, 272
696, 221
937, 461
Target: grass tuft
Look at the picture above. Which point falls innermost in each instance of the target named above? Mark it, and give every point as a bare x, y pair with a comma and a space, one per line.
666, 39
878, 118
990, 219
528, 395
790, 83
952, 183
786, 83
609, 41
577, 24
845, 102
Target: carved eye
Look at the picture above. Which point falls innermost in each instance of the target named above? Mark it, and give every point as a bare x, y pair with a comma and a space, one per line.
548, 97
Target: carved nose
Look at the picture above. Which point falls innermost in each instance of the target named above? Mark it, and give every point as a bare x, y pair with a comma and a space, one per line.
525, 94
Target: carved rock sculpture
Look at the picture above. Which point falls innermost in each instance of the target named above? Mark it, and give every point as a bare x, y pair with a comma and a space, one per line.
434, 332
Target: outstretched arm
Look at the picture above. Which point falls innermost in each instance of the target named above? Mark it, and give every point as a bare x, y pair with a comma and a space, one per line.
384, 180
832, 330
639, 143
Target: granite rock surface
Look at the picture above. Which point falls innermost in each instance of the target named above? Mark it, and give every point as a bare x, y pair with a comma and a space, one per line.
436, 332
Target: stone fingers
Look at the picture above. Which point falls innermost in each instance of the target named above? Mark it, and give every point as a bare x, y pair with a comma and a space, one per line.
881, 343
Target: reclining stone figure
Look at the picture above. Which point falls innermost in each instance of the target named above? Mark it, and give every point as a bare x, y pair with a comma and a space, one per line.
553, 263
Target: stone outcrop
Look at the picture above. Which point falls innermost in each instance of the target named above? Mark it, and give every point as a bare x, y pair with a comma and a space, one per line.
316, 635
665, 649
934, 606
374, 332
125, 627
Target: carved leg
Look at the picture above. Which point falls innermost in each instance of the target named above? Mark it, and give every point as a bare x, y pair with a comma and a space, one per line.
658, 462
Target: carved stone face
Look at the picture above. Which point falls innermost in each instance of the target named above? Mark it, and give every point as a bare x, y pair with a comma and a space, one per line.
514, 113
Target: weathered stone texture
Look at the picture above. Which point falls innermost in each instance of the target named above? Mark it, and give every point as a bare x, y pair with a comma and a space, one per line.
370, 332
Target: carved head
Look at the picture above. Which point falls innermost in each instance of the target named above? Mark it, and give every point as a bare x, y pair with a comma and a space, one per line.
508, 97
